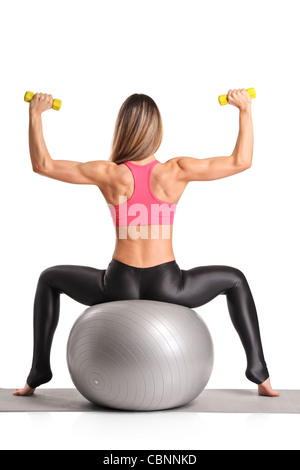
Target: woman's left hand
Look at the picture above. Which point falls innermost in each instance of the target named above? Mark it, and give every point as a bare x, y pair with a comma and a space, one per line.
239, 98
41, 102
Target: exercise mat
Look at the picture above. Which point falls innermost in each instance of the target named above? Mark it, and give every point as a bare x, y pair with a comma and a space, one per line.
209, 401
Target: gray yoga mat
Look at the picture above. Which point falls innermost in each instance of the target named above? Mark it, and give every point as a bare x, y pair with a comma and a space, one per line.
210, 401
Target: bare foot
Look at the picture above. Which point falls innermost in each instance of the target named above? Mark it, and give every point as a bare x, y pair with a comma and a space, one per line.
24, 392
266, 390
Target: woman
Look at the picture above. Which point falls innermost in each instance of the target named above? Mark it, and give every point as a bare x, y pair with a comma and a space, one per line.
142, 194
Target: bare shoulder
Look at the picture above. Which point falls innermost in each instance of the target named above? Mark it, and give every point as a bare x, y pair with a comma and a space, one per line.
170, 182
178, 163
112, 176
172, 162
110, 171
174, 167
107, 165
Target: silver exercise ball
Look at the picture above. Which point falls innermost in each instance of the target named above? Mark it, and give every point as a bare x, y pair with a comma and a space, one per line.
140, 355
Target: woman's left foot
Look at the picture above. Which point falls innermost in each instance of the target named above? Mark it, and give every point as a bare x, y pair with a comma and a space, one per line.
266, 390
24, 392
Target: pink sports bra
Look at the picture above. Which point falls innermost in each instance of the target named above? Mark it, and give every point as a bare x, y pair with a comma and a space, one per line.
142, 208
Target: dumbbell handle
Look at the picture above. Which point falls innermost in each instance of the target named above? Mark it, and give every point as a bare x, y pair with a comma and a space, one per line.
56, 104
223, 98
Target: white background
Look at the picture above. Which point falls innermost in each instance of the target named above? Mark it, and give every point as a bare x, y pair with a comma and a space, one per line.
93, 55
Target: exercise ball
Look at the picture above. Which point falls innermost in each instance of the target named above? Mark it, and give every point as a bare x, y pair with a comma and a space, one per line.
139, 355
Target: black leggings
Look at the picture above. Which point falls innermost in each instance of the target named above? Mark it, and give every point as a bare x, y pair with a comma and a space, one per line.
165, 282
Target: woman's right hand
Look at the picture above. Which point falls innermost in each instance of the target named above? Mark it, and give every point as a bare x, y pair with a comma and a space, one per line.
41, 102
239, 98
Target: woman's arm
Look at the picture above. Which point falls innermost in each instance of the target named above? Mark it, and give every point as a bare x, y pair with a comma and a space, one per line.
40, 157
243, 150
195, 169
94, 172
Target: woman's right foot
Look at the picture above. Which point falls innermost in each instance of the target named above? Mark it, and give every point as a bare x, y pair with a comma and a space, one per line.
25, 391
266, 390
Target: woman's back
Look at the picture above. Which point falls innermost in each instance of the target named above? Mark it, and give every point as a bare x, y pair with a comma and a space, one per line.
142, 198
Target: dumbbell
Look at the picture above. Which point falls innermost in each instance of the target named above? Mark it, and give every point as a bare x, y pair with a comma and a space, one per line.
223, 98
56, 104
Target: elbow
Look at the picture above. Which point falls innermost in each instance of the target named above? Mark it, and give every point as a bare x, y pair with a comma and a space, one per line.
37, 170
41, 164
243, 165
40, 171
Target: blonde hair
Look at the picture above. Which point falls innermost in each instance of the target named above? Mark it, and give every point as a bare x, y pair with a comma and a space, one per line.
138, 130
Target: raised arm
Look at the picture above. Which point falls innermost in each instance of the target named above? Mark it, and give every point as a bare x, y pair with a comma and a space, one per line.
93, 172
205, 169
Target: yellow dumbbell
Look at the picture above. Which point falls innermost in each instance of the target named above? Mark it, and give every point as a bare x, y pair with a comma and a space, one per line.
56, 104
223, 98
